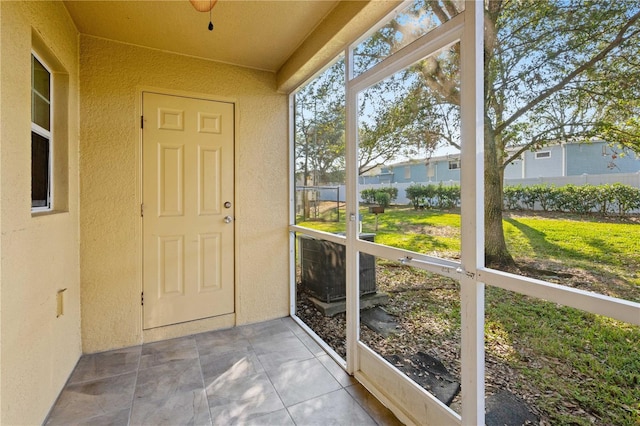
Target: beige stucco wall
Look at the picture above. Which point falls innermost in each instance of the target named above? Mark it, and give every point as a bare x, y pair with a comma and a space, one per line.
40, 255
112, 76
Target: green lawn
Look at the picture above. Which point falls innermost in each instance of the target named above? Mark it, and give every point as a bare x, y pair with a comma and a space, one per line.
573, 367
401, 227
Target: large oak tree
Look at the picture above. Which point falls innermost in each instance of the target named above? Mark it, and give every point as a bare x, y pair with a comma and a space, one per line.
554, 71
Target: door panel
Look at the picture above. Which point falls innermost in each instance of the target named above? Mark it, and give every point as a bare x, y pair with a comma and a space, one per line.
209, 181
209, 262
171, 265
188, 177
171, 179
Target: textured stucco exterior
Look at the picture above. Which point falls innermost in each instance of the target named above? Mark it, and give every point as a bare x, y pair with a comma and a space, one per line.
40, 254
113, 75
92, 245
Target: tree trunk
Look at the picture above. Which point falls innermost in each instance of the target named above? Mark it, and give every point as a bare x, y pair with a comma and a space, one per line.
495, 248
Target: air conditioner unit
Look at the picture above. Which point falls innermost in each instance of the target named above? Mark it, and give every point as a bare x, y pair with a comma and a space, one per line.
324, 268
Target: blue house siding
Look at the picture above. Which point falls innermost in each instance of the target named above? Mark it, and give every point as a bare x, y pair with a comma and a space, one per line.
513, 170
572, 159
546, 162
599, 158
444, 173
434, 171
412, 172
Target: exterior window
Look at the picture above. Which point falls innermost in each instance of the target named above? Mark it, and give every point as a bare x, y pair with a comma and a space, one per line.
41, 138
543, 154
454, 164
407, 172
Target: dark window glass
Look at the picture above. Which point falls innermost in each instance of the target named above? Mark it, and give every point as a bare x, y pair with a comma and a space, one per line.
39, 171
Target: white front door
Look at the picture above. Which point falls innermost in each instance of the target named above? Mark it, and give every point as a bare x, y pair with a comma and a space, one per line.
188, 209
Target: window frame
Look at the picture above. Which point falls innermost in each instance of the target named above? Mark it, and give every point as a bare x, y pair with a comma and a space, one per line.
44, 133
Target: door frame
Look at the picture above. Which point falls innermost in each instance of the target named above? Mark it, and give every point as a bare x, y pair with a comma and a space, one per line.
205, 324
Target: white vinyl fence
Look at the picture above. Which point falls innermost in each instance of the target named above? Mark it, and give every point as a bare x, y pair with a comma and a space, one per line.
631, 179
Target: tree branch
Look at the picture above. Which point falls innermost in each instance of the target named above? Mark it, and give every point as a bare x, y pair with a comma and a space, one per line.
438, 11
619, 39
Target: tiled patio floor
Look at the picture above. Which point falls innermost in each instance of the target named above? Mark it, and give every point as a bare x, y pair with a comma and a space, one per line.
270, 373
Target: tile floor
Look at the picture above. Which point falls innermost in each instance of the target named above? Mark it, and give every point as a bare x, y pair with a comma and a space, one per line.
270, 373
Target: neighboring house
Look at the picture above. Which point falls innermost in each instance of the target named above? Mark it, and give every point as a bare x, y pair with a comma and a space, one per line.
569, 159
435, 169
573, 159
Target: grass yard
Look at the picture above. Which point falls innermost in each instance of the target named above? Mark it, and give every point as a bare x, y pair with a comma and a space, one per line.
571, 367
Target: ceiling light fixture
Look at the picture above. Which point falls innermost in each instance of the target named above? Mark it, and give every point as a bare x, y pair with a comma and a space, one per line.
204, 6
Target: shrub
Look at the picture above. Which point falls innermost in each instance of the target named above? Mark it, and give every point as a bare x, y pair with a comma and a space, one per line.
447, 197
605, 199
512, 196
529, 196
421, 196
625, 197
578, 199
392, 191
418, 194
574, 199
368, 195
546, 196
381, 196
429, 196
553, 199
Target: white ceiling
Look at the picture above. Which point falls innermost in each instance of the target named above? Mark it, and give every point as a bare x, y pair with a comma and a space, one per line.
259, 34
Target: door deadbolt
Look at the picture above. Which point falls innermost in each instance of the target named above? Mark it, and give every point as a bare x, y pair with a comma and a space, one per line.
227, 204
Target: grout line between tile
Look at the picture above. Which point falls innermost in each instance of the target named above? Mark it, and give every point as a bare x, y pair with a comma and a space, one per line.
276, 389
204, 388
95, 379
135, 387
266, 373
252, 351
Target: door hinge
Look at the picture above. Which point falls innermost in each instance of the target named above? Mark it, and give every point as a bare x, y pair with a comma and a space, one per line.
142, 121
141, 210
142, 298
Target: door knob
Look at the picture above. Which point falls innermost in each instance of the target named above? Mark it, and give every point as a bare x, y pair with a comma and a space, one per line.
228, 219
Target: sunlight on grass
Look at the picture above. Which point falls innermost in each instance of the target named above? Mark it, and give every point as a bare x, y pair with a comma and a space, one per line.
604, 247
333, 227
431, 232
518, 243
612, 243
499, 340
577, 367
576, 359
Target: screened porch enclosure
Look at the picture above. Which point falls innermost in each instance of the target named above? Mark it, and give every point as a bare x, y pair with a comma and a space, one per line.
416, 81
